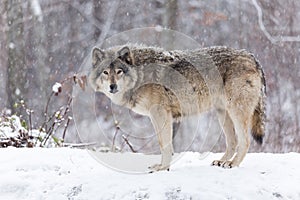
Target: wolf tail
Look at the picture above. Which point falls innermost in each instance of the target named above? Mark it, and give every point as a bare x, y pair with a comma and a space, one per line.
259, 115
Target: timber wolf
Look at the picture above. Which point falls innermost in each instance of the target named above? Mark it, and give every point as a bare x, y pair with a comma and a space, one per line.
168, 85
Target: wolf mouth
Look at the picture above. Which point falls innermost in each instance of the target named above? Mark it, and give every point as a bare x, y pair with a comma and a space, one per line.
114, 91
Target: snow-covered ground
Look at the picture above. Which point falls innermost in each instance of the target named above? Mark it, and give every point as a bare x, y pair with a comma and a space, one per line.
63, 173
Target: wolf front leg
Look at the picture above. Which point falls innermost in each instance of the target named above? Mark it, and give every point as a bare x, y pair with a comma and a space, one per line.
162, 123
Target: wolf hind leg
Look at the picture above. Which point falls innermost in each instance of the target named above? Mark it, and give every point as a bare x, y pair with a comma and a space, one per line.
162, 122
231, 142
241, 124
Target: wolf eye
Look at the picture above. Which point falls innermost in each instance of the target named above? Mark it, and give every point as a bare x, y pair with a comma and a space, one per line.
105, 72
119, 71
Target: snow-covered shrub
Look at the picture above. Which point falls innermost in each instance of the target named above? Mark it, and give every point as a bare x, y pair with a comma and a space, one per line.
17, 131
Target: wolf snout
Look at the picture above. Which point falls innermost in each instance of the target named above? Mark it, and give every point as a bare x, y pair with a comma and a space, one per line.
113, 88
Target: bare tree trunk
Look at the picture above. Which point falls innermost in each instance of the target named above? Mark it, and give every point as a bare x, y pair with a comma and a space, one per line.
98, 15
37, 40
17, 83
105, 19
169, 21
3, 55
171, 14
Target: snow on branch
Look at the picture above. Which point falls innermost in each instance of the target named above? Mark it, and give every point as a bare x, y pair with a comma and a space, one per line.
273, 39
56, 88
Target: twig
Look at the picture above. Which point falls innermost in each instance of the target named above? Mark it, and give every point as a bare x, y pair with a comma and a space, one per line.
70, 99
48, 133
114, 139
30, 120
65, 129
128, 143
44, 125
144, 145
69, 118
79, 145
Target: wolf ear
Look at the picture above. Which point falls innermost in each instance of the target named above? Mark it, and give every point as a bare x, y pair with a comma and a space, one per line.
98, 55
126, 55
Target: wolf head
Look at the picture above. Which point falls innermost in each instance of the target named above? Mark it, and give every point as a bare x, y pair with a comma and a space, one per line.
112, 72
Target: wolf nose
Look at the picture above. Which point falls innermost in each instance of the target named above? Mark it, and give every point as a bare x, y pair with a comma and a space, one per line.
113, 88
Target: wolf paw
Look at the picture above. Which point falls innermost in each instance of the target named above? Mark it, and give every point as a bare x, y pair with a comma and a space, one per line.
221, 163
227, 164
158, 167
217, 163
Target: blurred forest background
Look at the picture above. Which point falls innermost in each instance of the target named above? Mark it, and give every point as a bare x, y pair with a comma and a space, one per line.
43, 42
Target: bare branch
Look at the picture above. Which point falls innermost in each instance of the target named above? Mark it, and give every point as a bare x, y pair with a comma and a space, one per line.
81, 145
273, 39
128, 143
114, 139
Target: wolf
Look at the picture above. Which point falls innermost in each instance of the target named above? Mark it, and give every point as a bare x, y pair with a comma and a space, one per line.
169, 85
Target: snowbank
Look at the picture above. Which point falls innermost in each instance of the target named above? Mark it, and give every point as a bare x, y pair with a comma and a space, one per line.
63, 173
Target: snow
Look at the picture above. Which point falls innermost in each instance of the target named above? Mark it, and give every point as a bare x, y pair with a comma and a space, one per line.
11, 127
158, 28
36, 9
11, 45
56, 87
64, 173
